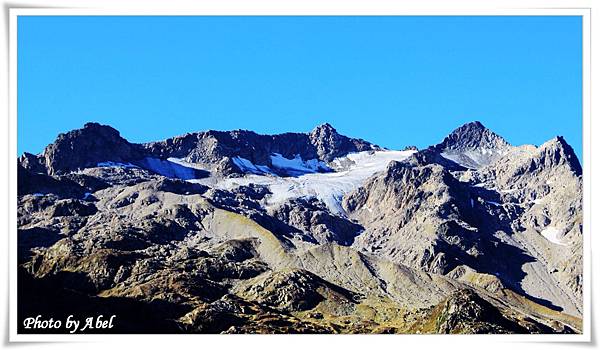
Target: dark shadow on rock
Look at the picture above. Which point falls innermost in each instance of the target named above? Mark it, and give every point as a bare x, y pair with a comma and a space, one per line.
170, 169
47, 297
73, 207
127, 243
35, 237
503, 260
29, 182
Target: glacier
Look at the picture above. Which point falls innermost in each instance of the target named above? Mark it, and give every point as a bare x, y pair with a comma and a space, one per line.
329, 187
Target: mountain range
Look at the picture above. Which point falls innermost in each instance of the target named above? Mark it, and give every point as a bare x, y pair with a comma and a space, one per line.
237, 232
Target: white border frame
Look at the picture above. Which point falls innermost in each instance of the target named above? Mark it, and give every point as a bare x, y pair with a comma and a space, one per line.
585, 13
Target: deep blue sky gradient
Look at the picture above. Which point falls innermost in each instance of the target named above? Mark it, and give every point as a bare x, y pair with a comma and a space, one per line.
394, 81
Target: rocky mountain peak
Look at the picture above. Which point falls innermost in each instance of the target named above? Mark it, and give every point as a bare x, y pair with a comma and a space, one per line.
96, 125
563, 144
557, 152
324, 129
330, 144
86, 147
90, 129
471, 136
325, 134
472, 146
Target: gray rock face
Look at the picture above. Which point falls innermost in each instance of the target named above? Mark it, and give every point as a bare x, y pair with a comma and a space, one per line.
86, 147
470, 146
293, 290
316, 223
546, 183
215, 150
29, 182
432, 155
323, 143
330, 145
32, 163
523, 204
472, 136
469, 236
466, 312
415, 216
473, 146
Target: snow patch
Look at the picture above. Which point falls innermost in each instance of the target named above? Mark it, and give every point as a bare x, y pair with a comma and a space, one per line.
551, 233
298, 166
247, 166
169, 168
473, 158
115, 165
184, 163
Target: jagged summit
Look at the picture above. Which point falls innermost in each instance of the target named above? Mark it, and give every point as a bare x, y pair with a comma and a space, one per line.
92, 125
472, 145
324, 128
325, 133
85, 147
557, 151
471, 136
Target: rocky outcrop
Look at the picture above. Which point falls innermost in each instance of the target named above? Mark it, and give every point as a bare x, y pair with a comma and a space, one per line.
471, 136
465, 312
33, 163
330, 145
473, 146
86, 147
312, 218
29, 182
293, 290
415, 216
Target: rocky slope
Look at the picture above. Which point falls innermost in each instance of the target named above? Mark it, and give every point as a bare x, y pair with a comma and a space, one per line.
235, 232
524, 207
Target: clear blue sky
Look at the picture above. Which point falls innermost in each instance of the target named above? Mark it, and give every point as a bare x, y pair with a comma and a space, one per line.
394, 81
